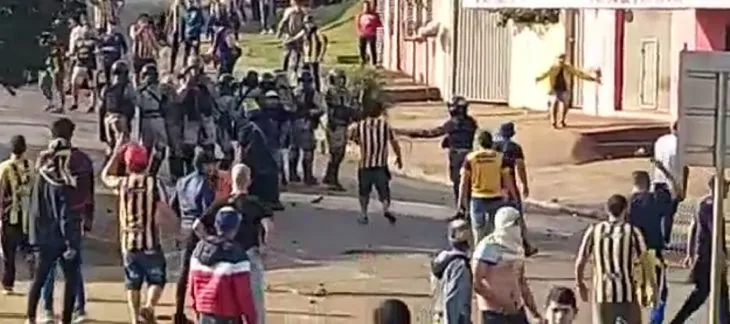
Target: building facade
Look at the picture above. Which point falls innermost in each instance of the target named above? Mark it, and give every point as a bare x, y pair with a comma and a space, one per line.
636, 53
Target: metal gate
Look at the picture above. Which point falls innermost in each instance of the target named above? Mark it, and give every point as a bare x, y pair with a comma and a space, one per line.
483, 60
578, 45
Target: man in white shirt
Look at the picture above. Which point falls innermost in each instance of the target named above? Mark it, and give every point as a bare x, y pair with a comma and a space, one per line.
670, 177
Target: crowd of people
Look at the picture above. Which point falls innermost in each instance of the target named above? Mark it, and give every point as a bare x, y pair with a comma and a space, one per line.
210, 157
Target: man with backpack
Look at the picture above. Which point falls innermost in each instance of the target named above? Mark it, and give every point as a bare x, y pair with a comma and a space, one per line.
451, 277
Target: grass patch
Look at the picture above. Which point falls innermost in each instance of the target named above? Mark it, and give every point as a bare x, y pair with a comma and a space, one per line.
265, 51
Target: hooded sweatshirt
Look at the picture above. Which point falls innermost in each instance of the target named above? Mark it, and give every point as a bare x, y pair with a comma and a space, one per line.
452, 277
219, 282
53, 223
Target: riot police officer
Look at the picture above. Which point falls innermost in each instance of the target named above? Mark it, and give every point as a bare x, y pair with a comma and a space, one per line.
459, 132
153, 103
306, 118
341, 113
225, 115
196, 96
118, 101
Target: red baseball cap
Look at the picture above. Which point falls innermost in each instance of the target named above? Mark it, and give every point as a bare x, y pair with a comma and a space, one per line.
135, 155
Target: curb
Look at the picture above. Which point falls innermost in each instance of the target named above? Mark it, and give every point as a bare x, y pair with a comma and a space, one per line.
418, 174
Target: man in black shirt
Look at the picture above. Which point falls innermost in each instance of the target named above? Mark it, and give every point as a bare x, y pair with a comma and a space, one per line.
514, 159
699, 258
254, 233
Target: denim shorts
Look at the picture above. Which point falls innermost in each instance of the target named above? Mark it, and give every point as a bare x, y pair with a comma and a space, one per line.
141, 267
482, 212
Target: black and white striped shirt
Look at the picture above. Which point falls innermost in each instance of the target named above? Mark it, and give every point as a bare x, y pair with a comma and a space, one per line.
373, 135
616, 247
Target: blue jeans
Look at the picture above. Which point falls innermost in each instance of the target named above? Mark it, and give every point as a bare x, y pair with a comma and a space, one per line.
490, 317
215, 319
656, 314
482, 212
48, 285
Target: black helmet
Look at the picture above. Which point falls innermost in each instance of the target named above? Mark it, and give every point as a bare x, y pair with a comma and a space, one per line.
251, 79
119, 68
226, 83
306, 77
149, 69
335, 74
267, 77
457, 105
226, 78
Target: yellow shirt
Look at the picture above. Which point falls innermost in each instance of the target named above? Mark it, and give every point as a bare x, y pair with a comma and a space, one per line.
485, 168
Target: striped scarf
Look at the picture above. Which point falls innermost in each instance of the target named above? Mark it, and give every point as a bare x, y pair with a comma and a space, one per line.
56, 169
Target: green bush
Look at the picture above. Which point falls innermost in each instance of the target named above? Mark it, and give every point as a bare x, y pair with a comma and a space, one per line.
369, 85
528, 16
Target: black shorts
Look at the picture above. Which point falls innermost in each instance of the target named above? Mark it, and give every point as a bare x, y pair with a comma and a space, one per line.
378, 177
139, 63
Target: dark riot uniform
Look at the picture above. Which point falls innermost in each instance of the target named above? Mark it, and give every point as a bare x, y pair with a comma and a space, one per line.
341, 112
118, 101
459, 133
306, 118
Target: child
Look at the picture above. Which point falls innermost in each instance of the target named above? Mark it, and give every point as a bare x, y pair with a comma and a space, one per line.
220, 283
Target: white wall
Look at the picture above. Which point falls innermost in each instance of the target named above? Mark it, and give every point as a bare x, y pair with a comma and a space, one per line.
599, 44
533, 51
683, 32
444, 45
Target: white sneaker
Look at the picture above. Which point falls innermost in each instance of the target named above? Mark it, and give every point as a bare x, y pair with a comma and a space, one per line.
270, 31
79, 318
47, 317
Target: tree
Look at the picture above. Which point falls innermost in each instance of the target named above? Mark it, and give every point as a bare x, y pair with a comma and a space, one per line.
528, 16
22, 24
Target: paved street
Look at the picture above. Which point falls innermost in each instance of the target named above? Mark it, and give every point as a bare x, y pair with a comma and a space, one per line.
316, 244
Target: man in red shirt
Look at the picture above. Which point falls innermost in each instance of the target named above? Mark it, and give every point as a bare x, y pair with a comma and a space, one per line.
220, 279
368, 22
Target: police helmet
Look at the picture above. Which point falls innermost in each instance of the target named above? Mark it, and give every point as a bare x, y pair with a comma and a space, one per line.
251, 79
149, 69
226, 79
335, 74
306, 77
458, 104
119, 68
267, 77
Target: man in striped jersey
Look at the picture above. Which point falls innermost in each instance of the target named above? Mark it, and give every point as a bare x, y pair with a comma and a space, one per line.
373, 134
142, 200
15, 182
144, 44
615, 246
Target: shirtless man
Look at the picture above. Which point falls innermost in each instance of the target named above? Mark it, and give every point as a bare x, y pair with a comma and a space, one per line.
503, 295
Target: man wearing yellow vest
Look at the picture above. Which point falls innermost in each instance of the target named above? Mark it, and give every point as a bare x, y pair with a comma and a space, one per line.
489, 180
15, 181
